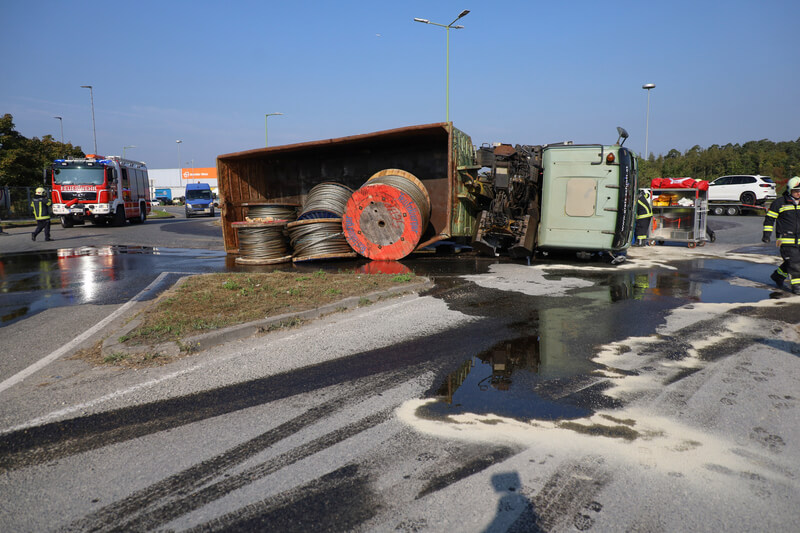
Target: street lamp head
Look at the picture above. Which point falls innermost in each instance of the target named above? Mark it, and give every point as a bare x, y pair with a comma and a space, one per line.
59, 118
424, 21
179, 141
459, 27
463, 13
649, 86
86, 86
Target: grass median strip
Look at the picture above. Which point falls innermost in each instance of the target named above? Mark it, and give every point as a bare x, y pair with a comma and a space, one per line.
213, 301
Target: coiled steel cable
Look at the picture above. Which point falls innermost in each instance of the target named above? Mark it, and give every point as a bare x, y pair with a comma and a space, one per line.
264, 243
326, 200
319, 237
415, 190
276, 212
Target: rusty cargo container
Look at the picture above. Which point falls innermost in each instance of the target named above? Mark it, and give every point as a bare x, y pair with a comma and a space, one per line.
439, 155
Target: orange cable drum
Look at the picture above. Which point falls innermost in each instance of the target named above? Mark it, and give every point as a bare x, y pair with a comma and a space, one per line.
387, 216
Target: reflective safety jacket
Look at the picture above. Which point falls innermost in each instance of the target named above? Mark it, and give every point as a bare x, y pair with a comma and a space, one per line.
643, 209
41, 207
784, 217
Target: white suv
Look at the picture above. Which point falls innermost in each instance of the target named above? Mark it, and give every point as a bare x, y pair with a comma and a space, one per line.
745, 189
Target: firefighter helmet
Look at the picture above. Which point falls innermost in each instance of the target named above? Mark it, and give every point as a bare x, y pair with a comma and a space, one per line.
794, 183
40, 190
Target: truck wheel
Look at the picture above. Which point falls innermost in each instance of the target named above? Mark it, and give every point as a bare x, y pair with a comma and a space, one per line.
119, 217
718, 210
732, 210
748, 198
142, 215
67, 222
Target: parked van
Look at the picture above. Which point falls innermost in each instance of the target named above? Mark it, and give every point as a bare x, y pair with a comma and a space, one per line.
199, 200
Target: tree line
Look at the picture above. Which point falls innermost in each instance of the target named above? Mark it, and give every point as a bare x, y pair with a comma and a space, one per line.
23, 160
779, 160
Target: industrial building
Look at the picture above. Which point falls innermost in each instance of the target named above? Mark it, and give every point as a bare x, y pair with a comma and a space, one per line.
171, 182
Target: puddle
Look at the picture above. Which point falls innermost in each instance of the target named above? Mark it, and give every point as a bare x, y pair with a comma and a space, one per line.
546, 372
31, 282
503, 381
702, 280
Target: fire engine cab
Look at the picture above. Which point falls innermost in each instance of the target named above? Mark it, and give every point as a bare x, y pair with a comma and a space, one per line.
103, 190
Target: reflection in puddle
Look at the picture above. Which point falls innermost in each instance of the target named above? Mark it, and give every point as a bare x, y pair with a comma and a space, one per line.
501, 381
546, 372
31, 282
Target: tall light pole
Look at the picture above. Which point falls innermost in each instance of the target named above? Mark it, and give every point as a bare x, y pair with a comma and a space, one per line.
266, 116
123, 150
647, 86
178, 142
61, 120
91, 99
447, 76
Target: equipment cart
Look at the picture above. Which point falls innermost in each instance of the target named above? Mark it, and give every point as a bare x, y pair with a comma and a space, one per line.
679, 215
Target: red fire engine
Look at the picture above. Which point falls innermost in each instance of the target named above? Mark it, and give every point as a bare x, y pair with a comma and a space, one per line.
100, 189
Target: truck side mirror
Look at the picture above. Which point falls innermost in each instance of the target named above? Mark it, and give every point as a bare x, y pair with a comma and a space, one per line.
622, 135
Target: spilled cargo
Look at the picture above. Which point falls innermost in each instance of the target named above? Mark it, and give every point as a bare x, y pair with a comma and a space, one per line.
408, 188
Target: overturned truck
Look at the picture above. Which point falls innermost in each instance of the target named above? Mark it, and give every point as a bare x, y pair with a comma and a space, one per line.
411, 187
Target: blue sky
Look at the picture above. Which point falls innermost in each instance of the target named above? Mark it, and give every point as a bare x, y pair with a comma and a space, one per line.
528, 72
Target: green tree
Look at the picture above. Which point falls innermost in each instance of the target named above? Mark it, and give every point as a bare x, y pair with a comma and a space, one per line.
22, 160
778, 160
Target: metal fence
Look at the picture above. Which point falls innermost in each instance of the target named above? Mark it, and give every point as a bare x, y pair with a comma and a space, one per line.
15, 202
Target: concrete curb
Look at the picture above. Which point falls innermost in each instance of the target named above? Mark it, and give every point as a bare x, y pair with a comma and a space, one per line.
204, 341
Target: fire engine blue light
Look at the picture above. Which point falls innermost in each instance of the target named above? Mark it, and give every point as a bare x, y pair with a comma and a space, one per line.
105, 161
60, 160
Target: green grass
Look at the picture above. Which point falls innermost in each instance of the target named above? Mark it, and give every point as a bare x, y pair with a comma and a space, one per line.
213, 301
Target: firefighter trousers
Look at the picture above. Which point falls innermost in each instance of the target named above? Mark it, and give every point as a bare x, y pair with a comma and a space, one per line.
642, 229
42, 225
791, 262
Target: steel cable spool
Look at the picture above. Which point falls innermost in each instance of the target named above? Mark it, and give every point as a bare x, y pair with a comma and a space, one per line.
273, 212
325, 200
387, 216
262, 243
320, 238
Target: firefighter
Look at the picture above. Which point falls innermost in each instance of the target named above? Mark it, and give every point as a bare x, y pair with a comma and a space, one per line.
41, 212
644, 215
784, 213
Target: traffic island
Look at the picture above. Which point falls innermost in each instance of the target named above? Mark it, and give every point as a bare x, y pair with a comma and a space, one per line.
172, 326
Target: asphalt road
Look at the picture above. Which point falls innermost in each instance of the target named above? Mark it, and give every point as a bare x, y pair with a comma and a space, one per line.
655, 395
178, 232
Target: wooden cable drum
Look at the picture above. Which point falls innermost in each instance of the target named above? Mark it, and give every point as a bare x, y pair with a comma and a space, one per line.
325, 200
262, 243
319, 238
387, 216
270, 212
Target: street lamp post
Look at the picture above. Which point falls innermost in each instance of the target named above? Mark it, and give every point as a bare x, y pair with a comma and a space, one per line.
178, 142
123, 150
266, 116
61, 120
91, 99
647, 86
447, 67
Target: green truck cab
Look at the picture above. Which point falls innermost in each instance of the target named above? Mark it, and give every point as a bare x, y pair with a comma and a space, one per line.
588, 198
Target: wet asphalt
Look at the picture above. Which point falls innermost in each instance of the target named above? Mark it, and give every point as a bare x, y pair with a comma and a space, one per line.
521, 356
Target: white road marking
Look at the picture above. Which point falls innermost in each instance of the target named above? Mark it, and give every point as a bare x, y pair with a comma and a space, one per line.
41, 363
